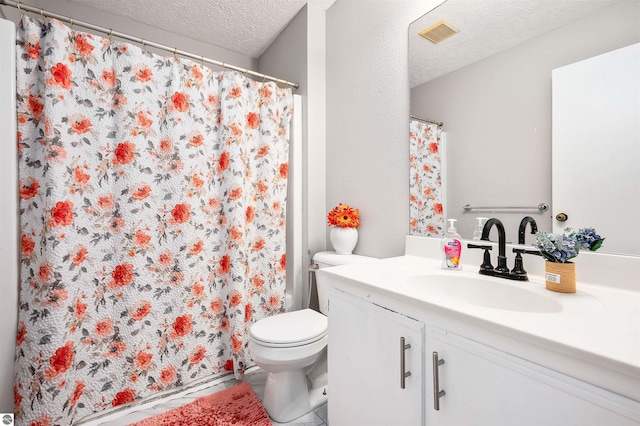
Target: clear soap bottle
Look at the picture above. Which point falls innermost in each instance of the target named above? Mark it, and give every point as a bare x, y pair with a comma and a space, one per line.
451, 245
477, 233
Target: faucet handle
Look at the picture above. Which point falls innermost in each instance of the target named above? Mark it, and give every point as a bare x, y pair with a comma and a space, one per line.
486, 260
525, 251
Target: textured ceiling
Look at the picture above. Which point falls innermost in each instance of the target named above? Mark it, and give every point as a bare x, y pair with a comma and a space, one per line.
487, 27
243, 26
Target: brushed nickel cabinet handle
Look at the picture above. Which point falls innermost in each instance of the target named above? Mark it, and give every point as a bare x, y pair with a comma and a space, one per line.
437, 393
403, 374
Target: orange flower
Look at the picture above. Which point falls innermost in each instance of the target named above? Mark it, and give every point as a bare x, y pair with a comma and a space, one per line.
29, 189
62, 213
258, 245
223, 162
142, 193
166, 145
253, 120
124, 397
144, 121
262, 187
168, 374
181, 213
343, 216
27, 245
22, 332
143, 73
225, 264
283, 261
236, 92
80, 309
216, 305
197, 355
235, 298
437, 208
60, 361
264, 150
116, 349
236, 343
274, 301
80, 176
235, 193
77, 393
140, 311
141, 238
196, 140
228, 366
105, 202
33, 49
196, 247
122, 275
61, 75
284, 170
124, 153
257, 281
249, 214
236, 234
433, 147
44, 272
165, 258
35, 107
109, 77
248, 312
182, 325
104, 328
80, 124
143, 360
83, 46
180, 101
198, 289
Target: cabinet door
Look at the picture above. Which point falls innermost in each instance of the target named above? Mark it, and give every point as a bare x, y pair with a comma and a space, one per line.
484, 386
365, 358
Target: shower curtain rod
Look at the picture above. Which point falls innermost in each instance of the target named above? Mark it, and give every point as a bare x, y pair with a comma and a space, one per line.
26, 8
439, 123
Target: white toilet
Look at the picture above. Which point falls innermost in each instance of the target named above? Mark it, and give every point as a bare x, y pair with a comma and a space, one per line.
292, 349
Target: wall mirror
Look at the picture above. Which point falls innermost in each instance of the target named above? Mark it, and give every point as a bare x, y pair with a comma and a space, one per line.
491, 85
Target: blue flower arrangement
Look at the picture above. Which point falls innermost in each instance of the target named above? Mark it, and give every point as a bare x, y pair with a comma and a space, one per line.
560, 248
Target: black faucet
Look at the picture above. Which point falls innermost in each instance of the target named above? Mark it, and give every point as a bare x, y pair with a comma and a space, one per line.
501, 269
523, 227
518, 273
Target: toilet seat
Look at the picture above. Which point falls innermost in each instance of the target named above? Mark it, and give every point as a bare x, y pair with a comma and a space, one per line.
290, 329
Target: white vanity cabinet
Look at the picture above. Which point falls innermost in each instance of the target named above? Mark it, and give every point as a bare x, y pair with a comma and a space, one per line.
371, 350
485, 386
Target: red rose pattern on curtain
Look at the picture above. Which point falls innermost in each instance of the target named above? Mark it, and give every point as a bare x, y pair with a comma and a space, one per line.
426, 216
152, 200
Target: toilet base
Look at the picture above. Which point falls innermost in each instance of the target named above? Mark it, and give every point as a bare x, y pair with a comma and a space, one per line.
287, 395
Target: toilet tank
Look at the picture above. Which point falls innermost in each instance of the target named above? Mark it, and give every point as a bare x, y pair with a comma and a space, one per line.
326, 259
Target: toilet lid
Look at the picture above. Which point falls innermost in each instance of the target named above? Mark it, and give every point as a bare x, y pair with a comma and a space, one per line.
290, 329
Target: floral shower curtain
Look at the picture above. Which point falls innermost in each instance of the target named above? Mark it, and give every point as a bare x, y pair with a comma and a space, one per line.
426, 216
152, 201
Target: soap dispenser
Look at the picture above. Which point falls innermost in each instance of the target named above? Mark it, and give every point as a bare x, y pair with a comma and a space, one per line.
451, 248
477, 234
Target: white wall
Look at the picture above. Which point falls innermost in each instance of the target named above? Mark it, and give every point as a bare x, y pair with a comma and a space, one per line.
497, 115
368, 117
8, 215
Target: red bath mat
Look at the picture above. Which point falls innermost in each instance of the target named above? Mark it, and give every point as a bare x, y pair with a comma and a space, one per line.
236, 406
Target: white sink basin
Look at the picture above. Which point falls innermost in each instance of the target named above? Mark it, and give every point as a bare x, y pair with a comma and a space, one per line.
479, 291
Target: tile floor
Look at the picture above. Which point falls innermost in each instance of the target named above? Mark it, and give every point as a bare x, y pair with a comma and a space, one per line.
256, 379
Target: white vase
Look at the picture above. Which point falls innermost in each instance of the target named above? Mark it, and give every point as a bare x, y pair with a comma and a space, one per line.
343, 240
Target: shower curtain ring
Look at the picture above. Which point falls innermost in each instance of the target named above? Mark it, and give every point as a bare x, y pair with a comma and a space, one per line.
144, 46
202, 61
44, 18
20, 9
175, 53
110, 34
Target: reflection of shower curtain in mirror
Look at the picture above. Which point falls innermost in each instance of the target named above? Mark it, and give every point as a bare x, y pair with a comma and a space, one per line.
152, 200
425, 184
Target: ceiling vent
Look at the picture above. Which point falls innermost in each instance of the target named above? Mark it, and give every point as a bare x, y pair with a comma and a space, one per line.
439, 31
